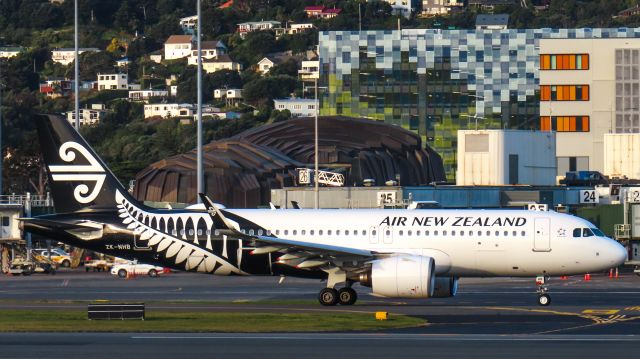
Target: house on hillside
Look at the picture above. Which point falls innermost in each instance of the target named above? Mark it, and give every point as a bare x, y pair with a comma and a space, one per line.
267, 63
66, 56
294, 29
299, 107
210, 50
231, 96
54, 88
440, 7
166, 110
88, 116
222, 62
156, 56
146, 95
178, 46
321, 12
7, 52
247, 27
492, 22
113, 82
189, 24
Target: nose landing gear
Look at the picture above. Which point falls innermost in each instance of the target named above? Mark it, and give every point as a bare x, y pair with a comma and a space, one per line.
543, 298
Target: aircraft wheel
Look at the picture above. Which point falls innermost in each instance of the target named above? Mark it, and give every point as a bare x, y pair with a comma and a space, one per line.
328, 297
152, 273
347, 296
544, 299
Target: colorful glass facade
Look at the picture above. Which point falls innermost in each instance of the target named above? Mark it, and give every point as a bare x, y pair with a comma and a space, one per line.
436, 82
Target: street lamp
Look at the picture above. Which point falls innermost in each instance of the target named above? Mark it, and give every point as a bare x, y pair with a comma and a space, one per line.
199, 164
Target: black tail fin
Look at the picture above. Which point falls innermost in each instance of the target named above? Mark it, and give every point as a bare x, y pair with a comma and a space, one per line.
78, 178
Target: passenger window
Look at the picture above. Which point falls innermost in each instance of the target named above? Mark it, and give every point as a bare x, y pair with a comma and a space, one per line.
523, 233
191, 232
418, 232
506, 233
337, 232
268, 232
387, 233
479, 233
435, 233
182, 232
373, 233
295, 231
303, 232
286, 232
174, 232
251, 232
515, 233
346, 232
453, 233
364, 233
328, 232
277, 232
497, 233
400, 232
586, 232
577, 233
488, 233
462, 233
199, 232
208, 232
320, 232
311, 232
408, 233
216, 232
444, 233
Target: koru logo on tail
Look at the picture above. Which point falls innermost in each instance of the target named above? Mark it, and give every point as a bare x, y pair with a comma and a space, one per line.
93, 172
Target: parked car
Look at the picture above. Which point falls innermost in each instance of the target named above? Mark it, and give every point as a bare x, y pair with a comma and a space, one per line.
125, 269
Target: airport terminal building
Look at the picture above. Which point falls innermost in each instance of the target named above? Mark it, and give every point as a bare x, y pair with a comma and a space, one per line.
580, 83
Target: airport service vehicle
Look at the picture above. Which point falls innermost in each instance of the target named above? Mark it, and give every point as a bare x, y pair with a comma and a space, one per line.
398, 253
132, 268
59, 256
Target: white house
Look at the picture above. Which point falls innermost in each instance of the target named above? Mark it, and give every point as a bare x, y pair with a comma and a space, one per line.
123, 62
88, 116
145, 95
222, 62
247, 27
309, 70
299, 107
178, 46
402, 7
293, 29
156, 56
265, 65
189, 24
67, 56
8, 52
113, 82
210, 50
231, 96
166, 110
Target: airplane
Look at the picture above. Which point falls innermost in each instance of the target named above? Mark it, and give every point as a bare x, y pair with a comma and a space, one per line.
418, 253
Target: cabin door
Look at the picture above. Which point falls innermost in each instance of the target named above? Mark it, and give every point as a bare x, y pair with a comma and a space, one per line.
541, 237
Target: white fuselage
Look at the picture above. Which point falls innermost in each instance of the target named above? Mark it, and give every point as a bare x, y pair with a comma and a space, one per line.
462, 242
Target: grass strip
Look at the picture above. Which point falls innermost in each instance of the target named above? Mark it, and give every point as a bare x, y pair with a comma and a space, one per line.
172, 322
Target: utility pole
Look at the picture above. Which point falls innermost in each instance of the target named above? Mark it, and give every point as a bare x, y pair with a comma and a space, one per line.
1, 153
199, 169
315, 169
76, 87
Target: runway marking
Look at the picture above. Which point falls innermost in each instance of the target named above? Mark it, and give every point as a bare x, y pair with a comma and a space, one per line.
600, 311
632, 308
548, 311
399, 336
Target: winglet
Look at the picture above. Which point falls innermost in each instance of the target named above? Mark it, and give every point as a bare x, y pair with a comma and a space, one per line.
220, 222
295, 204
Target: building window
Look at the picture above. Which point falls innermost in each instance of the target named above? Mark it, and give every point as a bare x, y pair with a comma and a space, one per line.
564, 62
564, 123
627, 91
564, 92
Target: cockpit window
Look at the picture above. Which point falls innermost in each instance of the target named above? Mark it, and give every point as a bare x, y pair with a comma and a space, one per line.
586, 232
577, 232
598, 232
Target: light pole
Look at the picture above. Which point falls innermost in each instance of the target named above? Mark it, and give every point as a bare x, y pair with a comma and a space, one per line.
199, 169
315, 147
1, 154
76, 68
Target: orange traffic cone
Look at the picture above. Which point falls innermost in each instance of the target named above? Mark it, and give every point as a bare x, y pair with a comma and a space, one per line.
610, 273
616, 273
563, 277
587, 277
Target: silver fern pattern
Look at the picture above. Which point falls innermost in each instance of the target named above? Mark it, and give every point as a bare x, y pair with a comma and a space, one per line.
154, 231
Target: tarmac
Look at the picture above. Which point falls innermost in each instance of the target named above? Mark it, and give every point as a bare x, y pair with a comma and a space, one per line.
488, 318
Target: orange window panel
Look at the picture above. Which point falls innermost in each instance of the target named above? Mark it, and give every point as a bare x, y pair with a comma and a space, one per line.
565, 60
572, 124
545, 93
572, 62
545, 123
585, 62
559, 124
560, 93
585, 123
585, 92
544, 62
572, 93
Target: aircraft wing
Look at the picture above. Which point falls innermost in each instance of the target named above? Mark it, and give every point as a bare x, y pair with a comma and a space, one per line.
296, 253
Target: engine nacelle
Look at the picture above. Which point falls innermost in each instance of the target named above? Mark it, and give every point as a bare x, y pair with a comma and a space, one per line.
445, 287
404, 276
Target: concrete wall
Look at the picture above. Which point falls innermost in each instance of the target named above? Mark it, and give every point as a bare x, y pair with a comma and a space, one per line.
484, 157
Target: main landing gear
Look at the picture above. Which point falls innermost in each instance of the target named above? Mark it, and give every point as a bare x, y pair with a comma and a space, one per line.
543, 298
344, 296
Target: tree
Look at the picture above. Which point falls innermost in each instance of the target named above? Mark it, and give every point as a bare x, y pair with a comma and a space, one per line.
289, 67
255, 46
93, 63
261, 92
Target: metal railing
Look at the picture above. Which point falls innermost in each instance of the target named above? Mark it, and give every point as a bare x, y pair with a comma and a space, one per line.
21, 199
622, 231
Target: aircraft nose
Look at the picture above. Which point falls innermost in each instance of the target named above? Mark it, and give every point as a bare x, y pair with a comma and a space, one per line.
617, 253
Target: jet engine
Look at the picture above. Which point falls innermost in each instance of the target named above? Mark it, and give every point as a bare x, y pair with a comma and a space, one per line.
404, 276
445, 287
